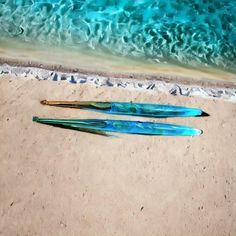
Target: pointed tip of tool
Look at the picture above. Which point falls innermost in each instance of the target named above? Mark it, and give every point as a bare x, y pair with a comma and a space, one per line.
203, 114
35, 118
44, 102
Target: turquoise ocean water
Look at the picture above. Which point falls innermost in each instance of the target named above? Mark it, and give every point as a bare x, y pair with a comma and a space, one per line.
189, 33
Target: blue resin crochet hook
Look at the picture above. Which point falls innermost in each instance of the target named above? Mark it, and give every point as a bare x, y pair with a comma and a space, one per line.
129, 108
100, 126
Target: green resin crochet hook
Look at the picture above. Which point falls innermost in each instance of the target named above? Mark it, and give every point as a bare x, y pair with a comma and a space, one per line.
100, 126
129, 108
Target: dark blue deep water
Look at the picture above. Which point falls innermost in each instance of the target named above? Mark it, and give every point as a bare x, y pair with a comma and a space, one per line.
188, 33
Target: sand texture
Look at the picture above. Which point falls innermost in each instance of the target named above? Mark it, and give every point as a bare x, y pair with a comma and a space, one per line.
62, 182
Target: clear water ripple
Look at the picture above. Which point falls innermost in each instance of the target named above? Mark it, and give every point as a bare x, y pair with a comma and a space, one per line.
188, 33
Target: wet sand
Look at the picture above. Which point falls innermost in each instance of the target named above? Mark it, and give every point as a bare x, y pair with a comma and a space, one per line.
19, 53
63, 182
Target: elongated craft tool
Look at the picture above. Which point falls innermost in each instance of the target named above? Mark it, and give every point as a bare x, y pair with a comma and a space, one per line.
129, 108
100, 126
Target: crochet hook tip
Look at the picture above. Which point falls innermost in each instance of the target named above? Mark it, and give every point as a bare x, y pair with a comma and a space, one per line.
35, 118
204, 114
44, 102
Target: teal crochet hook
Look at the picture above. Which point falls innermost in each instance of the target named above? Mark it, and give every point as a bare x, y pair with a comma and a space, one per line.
101, 126
129, 108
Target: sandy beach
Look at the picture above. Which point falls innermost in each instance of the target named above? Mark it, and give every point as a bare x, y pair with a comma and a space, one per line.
56, 181
62, 182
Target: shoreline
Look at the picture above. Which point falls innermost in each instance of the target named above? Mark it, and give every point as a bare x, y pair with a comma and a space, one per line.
165, 77
157, 84
66, 59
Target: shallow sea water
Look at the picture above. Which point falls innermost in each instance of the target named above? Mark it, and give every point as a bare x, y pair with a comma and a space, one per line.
186, 33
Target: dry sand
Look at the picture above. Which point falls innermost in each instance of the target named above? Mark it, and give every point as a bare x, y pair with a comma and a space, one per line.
63, 182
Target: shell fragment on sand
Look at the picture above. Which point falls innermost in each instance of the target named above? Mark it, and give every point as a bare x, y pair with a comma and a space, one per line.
129, 108
100, 126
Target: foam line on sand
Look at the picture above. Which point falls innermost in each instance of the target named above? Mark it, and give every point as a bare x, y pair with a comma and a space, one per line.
175, 89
